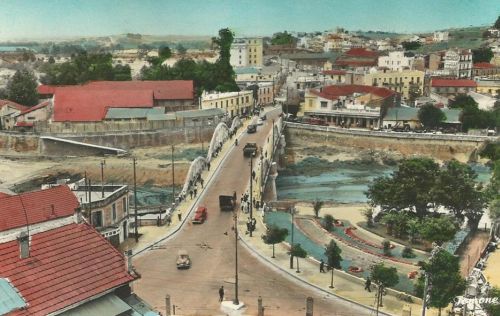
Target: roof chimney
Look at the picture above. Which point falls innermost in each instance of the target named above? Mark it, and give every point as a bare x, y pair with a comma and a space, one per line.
24, 245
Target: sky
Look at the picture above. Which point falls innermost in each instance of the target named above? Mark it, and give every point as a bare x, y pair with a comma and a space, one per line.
44, 19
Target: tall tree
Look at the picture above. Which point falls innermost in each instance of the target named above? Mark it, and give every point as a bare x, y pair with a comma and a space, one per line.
333, 256
438, 229
482, 55
458, 191
443, 270
431, 116
497, 23
384, 277
21, 88
298, 252
317, 205
274, 235
410, 187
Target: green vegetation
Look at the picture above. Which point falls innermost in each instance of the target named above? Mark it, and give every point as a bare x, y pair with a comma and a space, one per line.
497, 23
298, 252
473, 117
444, 275
386, 246
21, 88
282, 38
420, 185
408, 252
317, 205
274, 235
431, 116
206, 76
328, 221
482, 54
494, 309
333, 257
411, 45
384, 277
85, 67
438, 230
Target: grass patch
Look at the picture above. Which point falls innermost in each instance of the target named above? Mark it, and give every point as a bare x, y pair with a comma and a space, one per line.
380, 230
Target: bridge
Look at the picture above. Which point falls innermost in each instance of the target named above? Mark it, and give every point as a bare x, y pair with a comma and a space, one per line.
211, 246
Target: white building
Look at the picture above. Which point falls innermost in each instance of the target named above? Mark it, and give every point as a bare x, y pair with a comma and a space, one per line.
440, 36
239, 54
232, 103
458, 63
396, 61
247, 52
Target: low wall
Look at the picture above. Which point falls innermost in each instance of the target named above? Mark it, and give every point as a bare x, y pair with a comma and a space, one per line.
443, 147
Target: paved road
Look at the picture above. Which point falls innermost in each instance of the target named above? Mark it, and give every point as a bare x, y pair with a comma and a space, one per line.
195, 291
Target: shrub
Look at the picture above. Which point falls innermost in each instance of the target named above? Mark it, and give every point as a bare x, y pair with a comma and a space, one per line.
408, 253
328, 221
387, 247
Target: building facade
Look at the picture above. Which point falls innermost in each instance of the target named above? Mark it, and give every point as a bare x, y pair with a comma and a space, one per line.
458, 63
491, 87
451, 87
396, 61
403, 82
233, 103
247, 52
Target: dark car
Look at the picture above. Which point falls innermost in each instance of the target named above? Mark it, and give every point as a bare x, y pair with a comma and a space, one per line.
263, 117
252, 128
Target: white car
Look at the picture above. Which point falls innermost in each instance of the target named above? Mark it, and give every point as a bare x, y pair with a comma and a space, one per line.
183, 260
260, 122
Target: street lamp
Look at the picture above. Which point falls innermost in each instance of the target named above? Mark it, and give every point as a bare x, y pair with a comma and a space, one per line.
236, 300
251, 194
292, 212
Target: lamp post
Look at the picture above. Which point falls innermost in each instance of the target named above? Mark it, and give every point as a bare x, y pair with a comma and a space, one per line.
103, 163
251, 194
173, 174
236, 300
292, 212
136, 235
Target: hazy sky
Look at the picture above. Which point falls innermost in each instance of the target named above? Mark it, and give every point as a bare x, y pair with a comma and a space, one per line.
27, 19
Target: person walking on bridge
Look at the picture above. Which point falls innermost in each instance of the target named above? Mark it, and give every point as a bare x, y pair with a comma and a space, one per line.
221, 293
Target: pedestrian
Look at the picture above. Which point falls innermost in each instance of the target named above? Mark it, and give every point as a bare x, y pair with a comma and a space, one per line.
322, 266
234, 196
190, 183
179, 215
249, 226
221, 293
208, 165
367, 284
195, 191
201, 182
253, 175
191, 194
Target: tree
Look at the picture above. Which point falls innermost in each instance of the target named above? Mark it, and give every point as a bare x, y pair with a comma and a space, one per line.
411, 45
181, 50
52, 60
21, 88
333, 257
317, 205
410, 187
164, 52
482, 54
494, 309
274, 235
472, 116
282, 38
443, 270
439, 229
298, 252
386, 245
408, 253
431, 116
368, 213
458, 191
328, 221
413, 230
384, 277
497, 23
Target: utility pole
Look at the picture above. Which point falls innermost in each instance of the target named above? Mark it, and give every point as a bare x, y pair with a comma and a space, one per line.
251, 194
173, 175
90, 202
292, 211
135, 204
236, 300
103, 163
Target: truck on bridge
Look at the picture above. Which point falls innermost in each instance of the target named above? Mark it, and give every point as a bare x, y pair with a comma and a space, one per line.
250, 150
227, 202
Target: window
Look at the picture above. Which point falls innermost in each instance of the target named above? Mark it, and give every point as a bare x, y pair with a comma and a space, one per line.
246, 99
310, 102
97, 219
124, 205
113, 209
324, 104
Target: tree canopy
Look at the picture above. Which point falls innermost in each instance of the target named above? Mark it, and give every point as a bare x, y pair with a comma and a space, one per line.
384, 276
439, 229
444, 277
497, 23
482, 55
21, 88
274, 235
85, 67
333, 255
472, 116
411, 45
282, 38
430, 116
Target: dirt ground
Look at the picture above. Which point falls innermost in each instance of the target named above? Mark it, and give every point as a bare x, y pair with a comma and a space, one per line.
21, 174
470, 255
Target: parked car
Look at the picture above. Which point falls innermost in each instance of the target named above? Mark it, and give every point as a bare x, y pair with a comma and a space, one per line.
260, 122
200, 215
183, 260
252, 128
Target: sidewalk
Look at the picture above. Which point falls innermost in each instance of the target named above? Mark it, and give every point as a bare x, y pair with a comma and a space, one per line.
345, 286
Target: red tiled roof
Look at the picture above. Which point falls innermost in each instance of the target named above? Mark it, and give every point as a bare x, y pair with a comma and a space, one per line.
40, 206
334, 72
13, 104
162, 89
360, 52
484, 65
48, 89
36, 107
355, 63
453, 83
2, 195
67, 265
78, 104
334, 92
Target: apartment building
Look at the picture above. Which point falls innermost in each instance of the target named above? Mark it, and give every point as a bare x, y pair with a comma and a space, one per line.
398, 81
232, 103
247, 52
